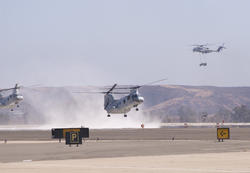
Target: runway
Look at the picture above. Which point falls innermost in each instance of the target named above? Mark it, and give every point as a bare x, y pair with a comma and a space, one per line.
17, 152
127, 150
236, 162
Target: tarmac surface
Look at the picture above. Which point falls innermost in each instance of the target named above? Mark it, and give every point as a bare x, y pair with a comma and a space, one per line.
127, 150
17, 152
236, 162
132, 134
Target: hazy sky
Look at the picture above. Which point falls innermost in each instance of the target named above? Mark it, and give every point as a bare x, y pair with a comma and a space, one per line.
97, 42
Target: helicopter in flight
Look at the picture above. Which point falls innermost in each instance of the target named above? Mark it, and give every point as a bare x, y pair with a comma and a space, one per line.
204, 49
11, 100
123, 105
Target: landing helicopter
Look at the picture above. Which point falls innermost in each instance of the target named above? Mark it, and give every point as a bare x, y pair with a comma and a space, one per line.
125, 103
11, 100
202, 48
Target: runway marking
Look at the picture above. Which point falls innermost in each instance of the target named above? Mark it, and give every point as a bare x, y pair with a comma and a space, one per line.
28, 142
27, 160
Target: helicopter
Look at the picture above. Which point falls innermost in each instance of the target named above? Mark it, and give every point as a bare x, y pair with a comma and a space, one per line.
124, 104
11, 100
202, 48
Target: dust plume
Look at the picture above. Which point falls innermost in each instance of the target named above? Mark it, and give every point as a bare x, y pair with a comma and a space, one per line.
59, 107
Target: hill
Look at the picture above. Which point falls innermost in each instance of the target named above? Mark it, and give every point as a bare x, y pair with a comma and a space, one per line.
173, 102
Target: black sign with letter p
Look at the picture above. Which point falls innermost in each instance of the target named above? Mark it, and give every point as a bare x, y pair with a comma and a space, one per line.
73, 137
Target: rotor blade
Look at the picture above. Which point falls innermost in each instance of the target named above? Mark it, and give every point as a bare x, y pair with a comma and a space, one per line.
138, 86
31, 86
89, 92
119, 92
150, 83
20, 87
201, 45
7, 89
111, 88
101, 92
122, 87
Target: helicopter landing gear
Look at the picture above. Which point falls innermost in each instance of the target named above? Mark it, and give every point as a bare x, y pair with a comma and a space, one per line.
137, 109
125, 115
108, 115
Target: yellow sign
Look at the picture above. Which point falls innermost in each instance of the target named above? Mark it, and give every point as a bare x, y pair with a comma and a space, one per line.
223, 133
74, 138
69, 130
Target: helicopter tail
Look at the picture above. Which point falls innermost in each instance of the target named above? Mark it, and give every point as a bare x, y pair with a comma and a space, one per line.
220, 48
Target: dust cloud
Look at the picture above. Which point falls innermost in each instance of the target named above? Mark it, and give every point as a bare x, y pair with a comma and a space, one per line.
50, 107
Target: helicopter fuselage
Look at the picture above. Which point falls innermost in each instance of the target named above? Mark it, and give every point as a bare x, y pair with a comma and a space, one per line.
124, 104
203, 50
10, 100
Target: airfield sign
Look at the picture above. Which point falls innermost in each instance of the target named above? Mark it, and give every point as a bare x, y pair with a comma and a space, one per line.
73, 137
60, 133
223, 133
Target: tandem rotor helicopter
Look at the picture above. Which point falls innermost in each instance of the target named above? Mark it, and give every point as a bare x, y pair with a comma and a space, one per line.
11, 100
124, 104
204, 49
